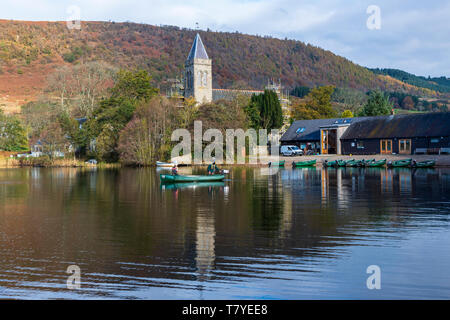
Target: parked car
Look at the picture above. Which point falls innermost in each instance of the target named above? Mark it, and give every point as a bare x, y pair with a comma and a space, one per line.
291, 151
91, 161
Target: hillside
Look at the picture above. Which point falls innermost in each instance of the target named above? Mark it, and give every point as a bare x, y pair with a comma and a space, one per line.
441, 84
30, 51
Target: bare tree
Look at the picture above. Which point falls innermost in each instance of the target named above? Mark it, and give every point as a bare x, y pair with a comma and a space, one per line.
78, 88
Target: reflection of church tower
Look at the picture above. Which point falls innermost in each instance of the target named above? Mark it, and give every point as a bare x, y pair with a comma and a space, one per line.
198, 79
205, 245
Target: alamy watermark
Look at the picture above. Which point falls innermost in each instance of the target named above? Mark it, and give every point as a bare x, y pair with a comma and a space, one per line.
374, 280
73, 21
374, 20
74, 280
233, 151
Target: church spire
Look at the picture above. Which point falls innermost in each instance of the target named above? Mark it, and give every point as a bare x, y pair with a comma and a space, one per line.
198, 50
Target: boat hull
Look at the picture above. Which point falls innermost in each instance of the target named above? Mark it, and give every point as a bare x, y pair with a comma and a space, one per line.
376, 164
164, 164
311, 163
401, 163
425, 164
165, 178
277, 164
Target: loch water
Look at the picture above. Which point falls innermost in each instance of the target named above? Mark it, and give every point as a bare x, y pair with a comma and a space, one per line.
287, 234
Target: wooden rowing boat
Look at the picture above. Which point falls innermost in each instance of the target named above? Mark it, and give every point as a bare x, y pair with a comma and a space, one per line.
400, 163
191, 185
164, 164
425, 164
277, 164
376, 164
166, 178
300, 164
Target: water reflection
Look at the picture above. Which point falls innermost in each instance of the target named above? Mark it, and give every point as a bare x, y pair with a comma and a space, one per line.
301, 233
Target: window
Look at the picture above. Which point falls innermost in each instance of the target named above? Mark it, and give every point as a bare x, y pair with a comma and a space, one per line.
404, 146
360, 145
434, 140
300, 130
205, 79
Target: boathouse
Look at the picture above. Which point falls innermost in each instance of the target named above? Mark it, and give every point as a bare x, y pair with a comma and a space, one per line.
427, 133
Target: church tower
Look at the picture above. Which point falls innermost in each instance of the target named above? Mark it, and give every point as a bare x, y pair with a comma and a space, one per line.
198, 78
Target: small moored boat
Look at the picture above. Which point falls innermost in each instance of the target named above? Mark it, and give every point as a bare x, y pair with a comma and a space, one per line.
277, 164
367, 162
353, 163
310, 163
164, 164
376, 164
425, 164
400, 163
167, 178
330, 163
342, 163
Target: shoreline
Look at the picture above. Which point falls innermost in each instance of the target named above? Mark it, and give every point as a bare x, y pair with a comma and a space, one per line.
442, 161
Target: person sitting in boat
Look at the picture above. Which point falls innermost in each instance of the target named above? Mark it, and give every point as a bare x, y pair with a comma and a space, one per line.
213, 168
175, 169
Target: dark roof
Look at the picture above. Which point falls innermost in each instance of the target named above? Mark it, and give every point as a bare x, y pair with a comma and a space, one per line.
198, 50
400, 126
309, 130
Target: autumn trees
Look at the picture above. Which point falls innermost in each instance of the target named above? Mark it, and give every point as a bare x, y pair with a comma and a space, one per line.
316, 105
131, 90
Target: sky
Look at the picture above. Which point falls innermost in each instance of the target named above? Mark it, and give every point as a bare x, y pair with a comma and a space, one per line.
413, 36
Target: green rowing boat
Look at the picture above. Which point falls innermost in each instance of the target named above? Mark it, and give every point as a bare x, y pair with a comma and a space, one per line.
277, 164
353, 163
376, 164
367, 162
401, 163
310, 163
342, 163
166, 178
425, 164
191, 185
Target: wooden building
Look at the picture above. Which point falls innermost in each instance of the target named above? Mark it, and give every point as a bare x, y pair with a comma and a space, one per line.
395, 134
399, 134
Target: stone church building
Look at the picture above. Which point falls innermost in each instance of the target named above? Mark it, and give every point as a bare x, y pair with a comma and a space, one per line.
198, 79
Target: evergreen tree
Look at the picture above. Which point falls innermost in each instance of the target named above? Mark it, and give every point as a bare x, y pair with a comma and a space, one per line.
13, 136
300, 92
269, 107
377, 105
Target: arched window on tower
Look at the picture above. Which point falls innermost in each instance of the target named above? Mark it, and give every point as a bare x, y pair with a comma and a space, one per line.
199, 77
205, 79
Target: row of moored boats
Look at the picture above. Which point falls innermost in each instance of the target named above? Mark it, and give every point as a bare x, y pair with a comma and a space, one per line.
371, 163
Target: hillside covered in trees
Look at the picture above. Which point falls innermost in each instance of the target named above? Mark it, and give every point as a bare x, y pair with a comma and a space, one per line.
31, 51
441, 84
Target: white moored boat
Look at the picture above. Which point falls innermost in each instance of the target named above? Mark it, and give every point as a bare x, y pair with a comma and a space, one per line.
164, 164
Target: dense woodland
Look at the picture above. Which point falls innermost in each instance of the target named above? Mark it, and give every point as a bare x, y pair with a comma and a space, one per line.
441, 84
238, 60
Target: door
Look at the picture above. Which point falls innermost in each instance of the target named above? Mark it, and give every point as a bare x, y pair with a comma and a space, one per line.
324, 141
404, 146
386, 146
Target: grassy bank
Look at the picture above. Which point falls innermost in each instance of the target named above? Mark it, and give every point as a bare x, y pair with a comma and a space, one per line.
46, 162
